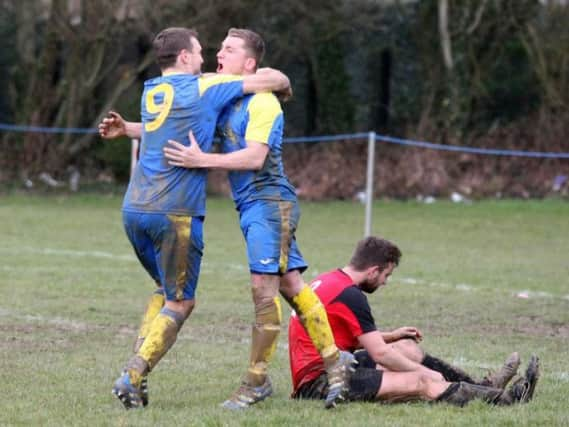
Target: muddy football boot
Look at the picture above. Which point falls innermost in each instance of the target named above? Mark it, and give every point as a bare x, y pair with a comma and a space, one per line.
129, 394
522, 390
248, 395
502, 377
144, 391
339, 378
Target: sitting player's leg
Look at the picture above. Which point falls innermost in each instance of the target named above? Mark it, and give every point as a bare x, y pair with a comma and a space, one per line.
179, 243
391, 386
369, 384
497, 379
521, 391
409, 386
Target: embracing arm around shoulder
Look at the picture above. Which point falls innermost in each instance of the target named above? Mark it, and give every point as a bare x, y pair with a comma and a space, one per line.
266, 80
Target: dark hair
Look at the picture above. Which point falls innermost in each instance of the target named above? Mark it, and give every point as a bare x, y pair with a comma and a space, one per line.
373, 251
169, 42
253, 42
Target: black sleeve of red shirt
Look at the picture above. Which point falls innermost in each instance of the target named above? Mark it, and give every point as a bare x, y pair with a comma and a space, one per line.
353, 298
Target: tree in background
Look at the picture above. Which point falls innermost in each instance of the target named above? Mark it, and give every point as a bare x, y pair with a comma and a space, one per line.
472, 72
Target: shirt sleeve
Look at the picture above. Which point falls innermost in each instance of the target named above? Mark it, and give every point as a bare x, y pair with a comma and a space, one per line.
264, 112
361, 321
220, 90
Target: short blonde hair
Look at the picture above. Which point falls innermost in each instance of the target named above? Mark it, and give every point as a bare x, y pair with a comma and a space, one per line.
253, 42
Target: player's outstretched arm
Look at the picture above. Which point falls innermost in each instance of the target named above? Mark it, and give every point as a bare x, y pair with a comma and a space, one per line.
250, 158
267, 80
114, 126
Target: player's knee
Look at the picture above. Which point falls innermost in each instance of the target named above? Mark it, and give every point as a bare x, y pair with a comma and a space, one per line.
264, 291
410, 349
422, 383
184, 307
268, 311
291, 284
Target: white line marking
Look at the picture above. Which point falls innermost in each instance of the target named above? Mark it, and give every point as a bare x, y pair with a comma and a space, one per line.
464, 287
67, 252
57, 321
98, 254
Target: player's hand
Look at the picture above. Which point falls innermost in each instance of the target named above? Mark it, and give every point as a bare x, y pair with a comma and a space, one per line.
112, 126
408, 332
182, 155
285, 94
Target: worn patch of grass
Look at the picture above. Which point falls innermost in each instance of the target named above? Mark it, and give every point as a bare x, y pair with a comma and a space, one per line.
480, 280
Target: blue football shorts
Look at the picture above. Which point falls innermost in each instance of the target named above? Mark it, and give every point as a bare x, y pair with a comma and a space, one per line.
268, 227
170, 248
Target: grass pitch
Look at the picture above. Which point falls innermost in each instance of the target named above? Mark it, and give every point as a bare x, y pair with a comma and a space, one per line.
480, 280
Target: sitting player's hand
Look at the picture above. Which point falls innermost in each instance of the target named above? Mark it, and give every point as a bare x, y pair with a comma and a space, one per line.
409, 332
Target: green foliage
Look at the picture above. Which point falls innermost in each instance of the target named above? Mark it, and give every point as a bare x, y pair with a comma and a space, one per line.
71, 302
518, 97
510, 67
335, 106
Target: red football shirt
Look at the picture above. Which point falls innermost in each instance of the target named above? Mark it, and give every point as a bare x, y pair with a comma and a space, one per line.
349, 315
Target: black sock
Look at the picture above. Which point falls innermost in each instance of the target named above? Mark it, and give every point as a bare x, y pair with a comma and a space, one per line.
449, 372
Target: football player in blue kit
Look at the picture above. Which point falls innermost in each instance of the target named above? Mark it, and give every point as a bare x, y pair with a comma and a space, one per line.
164, 206
251, 132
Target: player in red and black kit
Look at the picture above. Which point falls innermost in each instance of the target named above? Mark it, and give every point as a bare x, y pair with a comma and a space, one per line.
391, 366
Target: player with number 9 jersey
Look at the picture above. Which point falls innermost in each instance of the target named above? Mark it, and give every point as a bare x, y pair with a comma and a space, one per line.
171, 105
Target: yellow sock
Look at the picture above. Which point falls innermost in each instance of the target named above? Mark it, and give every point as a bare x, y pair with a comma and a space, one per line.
153, 307
135, 377
162, 335
313, 317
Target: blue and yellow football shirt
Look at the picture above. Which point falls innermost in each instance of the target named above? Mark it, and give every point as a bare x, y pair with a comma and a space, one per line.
171, 105
259, 118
